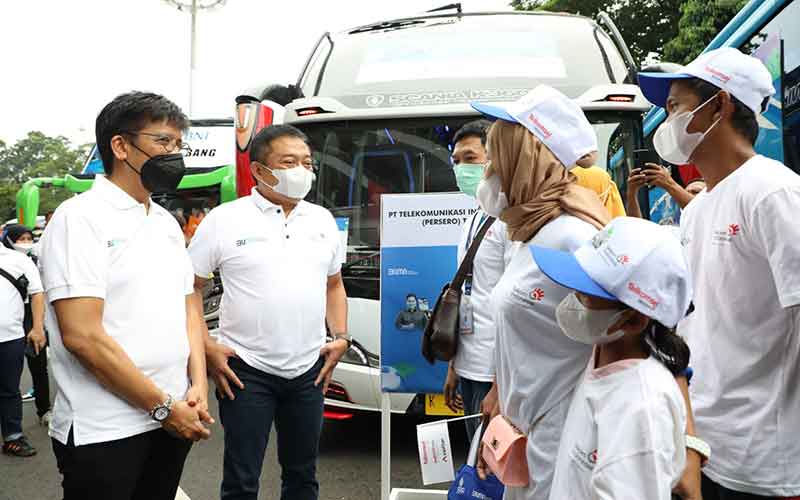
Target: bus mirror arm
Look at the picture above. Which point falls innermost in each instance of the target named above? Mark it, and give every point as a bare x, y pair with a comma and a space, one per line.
633, 68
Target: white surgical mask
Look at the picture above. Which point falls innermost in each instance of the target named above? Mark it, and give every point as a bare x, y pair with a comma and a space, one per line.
23, 247
490, 198
587, 326
293, 182
673, 143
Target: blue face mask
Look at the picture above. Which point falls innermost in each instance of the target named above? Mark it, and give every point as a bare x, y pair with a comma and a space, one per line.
468, 175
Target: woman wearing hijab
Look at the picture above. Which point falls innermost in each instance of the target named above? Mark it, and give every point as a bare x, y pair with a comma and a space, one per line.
18, 237
597, 179
529, 188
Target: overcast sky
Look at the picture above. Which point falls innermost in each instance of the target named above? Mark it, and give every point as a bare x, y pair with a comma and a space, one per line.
62, 60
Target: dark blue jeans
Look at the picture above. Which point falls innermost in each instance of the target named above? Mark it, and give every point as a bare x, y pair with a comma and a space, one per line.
473, 392
12, 359
295, 405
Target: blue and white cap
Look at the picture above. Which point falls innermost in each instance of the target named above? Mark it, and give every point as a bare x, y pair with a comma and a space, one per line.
633, 261
553, 118
743, 76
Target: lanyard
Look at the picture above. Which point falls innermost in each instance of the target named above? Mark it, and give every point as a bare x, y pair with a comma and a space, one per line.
472, 226
470, 235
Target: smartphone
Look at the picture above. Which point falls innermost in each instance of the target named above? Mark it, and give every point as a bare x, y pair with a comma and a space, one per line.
643, 156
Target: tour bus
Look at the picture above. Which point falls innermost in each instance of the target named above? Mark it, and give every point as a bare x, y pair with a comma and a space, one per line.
767, 29
381, 103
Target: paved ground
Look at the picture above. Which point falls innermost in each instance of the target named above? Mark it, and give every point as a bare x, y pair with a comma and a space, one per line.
349, 464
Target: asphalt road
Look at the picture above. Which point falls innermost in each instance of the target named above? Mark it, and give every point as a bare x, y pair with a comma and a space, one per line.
349, 462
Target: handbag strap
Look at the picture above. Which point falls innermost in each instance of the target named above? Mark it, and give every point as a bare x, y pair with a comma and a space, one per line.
19, 283
466, 265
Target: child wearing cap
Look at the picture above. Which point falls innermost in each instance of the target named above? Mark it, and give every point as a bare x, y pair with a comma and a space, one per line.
624, 433
742, 243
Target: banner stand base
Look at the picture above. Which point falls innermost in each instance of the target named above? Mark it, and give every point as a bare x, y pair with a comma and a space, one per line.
386, 446
406, 494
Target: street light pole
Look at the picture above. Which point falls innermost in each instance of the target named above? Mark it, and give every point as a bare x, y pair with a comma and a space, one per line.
193, 57
193, 8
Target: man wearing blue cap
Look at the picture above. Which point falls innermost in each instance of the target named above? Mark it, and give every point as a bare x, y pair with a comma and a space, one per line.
741, 240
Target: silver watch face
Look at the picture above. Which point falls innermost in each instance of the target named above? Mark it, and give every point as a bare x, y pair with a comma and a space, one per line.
161, 414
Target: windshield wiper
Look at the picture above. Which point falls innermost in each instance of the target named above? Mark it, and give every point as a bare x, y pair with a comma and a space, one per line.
386, 26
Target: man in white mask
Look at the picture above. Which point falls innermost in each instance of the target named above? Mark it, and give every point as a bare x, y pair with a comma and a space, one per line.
280, 258
742, 242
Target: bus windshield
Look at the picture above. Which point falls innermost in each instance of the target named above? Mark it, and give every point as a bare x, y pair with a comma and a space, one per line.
361, 160
497, 56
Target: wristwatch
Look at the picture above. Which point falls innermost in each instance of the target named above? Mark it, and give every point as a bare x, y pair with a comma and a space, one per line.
700, 446
346, 337
161, 412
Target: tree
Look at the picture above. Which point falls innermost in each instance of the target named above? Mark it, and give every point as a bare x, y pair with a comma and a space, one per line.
700, 22
645, 25
36, 155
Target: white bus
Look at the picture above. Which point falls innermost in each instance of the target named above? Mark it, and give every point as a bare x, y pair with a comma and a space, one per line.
382, 102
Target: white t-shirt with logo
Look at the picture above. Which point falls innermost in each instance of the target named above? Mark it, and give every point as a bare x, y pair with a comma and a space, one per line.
16, 264
475, 356
537, 365
104, 244
275, 272
624, 435
742, 242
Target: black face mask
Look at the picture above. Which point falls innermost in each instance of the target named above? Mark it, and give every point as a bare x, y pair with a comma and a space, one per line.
161, 173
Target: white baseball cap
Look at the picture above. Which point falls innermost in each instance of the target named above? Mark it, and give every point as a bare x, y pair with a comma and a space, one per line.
551, 116
633, 261
742, 76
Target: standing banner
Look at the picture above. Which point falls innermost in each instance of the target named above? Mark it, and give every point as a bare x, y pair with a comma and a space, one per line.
419, 240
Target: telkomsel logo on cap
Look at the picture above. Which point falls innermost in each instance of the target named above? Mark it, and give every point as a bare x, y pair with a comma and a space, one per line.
650, 301
539, 126
718, 75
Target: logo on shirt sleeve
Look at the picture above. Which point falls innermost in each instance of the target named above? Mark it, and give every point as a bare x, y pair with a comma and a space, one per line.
537, 294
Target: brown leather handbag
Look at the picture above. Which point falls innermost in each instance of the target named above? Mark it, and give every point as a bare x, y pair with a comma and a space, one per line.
440, 339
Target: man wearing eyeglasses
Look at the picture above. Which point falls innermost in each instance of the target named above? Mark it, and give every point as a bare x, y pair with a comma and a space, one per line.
280, 258
126, 343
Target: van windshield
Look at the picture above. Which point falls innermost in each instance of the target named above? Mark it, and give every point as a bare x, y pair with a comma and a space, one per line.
361, 160
483, 57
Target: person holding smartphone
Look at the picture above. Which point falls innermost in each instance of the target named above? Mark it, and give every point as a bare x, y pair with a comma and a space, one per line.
652, 174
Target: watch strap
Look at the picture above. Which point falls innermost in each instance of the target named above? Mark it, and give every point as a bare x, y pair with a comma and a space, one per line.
166, 404
347, 338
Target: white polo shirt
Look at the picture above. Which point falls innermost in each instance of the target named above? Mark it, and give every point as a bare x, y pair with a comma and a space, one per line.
475, 356
104, 244
16, 264
742, 242
275, 273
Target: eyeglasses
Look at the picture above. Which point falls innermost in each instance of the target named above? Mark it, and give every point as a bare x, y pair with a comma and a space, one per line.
170, 144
